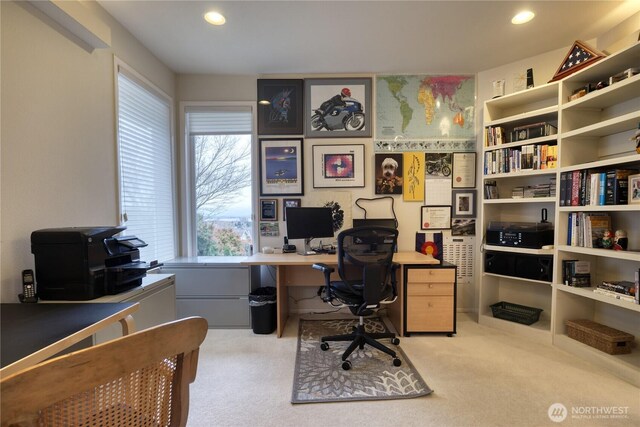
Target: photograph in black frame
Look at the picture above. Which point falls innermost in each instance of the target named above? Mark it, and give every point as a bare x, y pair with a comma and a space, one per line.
268, 209
280, 107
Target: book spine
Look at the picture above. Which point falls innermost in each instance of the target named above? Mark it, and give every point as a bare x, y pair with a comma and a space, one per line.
563, 189
575, 188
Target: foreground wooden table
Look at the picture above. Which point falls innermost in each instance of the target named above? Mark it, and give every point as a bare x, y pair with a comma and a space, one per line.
32, 333
295, 270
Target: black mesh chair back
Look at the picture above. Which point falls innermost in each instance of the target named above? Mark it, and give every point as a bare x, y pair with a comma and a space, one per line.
365, 256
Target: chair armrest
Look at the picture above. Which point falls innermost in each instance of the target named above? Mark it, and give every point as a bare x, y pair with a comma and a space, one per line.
325, 269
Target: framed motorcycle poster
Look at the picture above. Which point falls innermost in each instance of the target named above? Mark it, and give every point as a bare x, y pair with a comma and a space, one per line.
280, 107
337, 107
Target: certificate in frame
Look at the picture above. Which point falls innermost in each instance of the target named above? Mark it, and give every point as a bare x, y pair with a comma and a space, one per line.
464, 170
435, 218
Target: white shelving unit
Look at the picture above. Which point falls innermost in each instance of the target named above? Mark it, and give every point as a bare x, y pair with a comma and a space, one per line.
593, 133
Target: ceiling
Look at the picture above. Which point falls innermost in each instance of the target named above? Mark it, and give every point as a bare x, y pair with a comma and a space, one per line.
291, 37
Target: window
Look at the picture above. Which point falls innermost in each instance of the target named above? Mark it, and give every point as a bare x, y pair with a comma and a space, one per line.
145, 161
219, 146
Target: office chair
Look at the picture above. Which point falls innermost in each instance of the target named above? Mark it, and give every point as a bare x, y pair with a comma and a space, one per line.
368, 279
137, 380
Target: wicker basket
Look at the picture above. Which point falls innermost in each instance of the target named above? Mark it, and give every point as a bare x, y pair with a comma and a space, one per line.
604, 338
516, 313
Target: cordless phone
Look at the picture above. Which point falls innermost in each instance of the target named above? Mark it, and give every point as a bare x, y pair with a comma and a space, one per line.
28, 287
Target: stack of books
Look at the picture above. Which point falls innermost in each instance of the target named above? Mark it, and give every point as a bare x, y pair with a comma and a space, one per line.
576, 273
622, 290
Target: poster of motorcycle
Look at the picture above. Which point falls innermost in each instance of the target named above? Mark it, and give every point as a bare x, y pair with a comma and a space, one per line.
337, 107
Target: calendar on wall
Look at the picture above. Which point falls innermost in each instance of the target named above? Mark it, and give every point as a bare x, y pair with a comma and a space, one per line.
458, 250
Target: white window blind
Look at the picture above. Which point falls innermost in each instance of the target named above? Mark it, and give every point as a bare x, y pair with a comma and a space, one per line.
219, 121
145, 156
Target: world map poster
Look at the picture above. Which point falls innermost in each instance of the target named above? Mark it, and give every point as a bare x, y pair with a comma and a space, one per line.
425, 107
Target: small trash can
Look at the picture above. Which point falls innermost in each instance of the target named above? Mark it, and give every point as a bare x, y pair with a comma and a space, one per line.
263, 310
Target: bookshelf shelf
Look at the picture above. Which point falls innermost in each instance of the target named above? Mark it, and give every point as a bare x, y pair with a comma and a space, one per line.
588, 293
618, 124
511, 201
593, 135
603, 253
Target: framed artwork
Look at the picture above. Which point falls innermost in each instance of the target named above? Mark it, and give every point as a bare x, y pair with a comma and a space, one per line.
280, 107
289, 203
438, 165
435, 218
464, 170
388, 173
463, 227
634, 189
338, 166
464, 203
337, 107
413, 173
268, 209
281, 165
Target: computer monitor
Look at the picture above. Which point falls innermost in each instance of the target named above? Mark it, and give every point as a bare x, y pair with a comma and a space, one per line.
374, 222
307, 224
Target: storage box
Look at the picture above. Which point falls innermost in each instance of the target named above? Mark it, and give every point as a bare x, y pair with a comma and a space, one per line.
516, 313
604, 338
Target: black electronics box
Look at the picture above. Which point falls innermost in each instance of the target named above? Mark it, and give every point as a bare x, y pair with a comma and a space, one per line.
532, 235
534, 267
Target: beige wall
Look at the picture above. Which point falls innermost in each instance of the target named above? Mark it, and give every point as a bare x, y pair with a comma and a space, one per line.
58, 143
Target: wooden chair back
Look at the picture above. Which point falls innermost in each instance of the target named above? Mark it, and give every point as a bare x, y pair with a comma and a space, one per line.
138, 380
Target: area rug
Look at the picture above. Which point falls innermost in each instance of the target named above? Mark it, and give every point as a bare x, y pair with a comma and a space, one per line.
319, 376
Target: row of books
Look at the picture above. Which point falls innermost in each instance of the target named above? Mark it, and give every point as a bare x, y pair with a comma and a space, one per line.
576, 273
538, 190
527, 157
587, 229
497, 135
623, 290
595, 187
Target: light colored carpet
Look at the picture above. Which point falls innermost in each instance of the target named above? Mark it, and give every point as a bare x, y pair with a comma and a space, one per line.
319, 376
480, 377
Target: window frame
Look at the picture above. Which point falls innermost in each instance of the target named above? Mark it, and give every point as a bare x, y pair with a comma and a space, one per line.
188, 241
119, 66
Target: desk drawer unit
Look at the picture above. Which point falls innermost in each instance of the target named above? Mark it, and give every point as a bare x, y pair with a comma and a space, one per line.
219, 293
430, 298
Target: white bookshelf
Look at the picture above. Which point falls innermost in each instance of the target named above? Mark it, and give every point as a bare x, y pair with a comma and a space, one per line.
593, 134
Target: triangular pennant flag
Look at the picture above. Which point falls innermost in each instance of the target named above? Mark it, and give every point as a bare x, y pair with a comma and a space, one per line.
580, 55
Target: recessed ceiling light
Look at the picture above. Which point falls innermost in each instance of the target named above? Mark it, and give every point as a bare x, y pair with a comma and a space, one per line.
264, 102
523, 17
214, 18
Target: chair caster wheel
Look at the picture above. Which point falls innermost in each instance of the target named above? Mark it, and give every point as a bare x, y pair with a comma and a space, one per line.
346, 365
395, 341
324, 346
396, 362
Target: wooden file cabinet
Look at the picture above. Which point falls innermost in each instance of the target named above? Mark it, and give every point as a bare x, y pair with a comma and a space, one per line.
430, 298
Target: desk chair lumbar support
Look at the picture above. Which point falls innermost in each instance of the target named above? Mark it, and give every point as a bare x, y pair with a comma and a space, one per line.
368, 279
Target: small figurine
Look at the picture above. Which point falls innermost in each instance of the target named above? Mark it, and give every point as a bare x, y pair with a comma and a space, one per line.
620, 241
607, 241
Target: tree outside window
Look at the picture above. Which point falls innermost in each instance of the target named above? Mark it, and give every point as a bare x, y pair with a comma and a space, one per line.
223, 194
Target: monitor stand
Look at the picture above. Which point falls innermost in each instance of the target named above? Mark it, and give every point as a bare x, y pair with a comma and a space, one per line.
307, 248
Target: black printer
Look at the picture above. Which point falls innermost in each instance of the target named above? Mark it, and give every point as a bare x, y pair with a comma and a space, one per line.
83, 263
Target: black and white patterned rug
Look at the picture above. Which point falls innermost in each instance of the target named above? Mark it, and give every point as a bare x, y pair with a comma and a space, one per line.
319, 376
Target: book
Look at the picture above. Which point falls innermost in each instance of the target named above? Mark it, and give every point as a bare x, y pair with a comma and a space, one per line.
617, 182
623, 287
576, 273
614, 295
598, 223
552, 157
